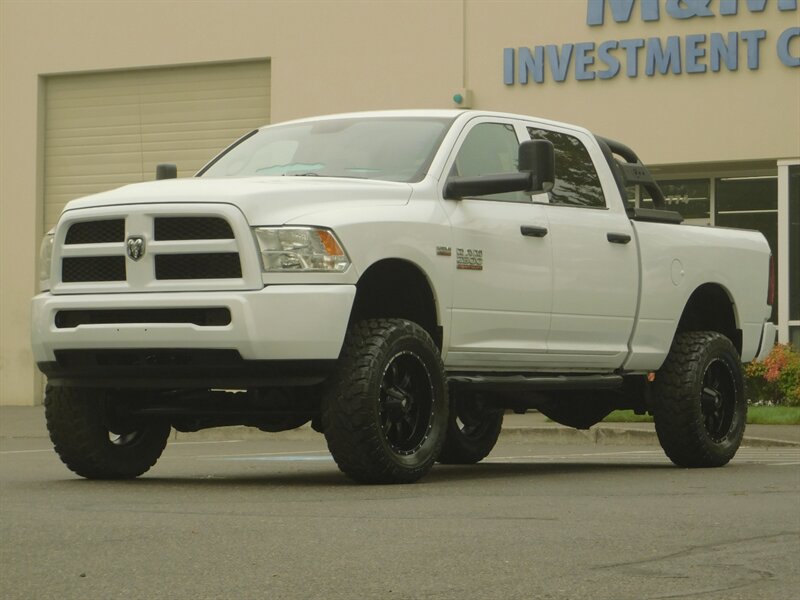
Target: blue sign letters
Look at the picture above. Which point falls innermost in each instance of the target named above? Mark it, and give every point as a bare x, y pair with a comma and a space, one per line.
694, 53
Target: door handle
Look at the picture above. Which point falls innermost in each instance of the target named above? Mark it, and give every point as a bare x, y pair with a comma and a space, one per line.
533, 231
618, 238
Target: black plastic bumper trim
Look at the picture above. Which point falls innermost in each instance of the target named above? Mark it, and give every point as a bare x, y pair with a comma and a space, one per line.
179, 369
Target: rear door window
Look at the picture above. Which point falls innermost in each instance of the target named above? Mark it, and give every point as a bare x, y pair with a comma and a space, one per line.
577, 182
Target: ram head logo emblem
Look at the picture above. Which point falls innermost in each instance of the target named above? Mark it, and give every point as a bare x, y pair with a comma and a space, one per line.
135, 246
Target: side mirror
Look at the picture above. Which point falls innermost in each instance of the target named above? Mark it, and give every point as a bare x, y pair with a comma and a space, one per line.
538, 158
536, 174
166, 171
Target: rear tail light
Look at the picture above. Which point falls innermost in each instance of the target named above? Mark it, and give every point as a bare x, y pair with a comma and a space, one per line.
771, 288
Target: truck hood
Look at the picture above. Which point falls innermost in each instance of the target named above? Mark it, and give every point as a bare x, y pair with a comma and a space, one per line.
263, 200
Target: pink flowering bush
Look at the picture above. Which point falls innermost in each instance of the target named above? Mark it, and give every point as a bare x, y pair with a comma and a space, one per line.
777, 379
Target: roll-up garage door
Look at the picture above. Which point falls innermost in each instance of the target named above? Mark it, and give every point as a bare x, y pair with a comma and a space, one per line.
104, 130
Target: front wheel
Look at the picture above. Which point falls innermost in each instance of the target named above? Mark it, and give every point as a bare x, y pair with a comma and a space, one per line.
700, 409
385, 412
96, 440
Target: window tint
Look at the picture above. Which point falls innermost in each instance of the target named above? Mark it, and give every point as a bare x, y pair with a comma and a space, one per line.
577, 182
490, 148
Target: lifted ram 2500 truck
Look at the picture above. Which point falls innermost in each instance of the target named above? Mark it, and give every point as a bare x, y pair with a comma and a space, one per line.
399, 279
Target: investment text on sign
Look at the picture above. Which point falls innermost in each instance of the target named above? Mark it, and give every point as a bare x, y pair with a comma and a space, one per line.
695, 53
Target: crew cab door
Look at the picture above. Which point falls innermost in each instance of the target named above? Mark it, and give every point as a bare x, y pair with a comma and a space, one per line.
595, 262
502, 294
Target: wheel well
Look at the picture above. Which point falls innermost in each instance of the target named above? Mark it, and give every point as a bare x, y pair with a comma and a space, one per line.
710, 309
395, 288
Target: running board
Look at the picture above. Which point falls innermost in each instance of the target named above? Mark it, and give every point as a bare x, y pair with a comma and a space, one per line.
534, 383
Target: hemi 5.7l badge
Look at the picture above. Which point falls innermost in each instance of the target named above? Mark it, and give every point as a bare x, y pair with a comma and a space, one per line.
469, 259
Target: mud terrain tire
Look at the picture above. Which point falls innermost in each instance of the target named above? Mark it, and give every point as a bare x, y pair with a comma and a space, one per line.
700, 408
93, 441
385, 413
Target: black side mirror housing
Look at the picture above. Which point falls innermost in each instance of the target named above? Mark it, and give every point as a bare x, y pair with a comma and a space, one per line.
537, 157
536, 160
166, 171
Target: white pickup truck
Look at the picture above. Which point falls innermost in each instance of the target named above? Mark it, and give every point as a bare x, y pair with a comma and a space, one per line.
399, 279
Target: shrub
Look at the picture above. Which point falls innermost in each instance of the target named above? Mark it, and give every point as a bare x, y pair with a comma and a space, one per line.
777, 379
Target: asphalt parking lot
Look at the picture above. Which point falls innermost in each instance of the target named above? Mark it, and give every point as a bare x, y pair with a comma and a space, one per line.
271, 517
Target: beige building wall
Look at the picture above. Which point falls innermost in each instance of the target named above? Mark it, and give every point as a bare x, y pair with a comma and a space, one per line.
334, 56
686, 118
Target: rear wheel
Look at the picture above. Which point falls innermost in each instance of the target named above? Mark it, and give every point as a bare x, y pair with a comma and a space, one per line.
700, 409
472, 429
385, 414
96, 440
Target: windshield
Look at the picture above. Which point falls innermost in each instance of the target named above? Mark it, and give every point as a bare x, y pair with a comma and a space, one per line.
387, 148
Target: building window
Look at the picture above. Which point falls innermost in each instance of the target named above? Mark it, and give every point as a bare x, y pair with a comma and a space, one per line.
689, 197
750, 203
793, 260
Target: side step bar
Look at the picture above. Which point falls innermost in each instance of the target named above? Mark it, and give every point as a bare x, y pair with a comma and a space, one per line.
535, 383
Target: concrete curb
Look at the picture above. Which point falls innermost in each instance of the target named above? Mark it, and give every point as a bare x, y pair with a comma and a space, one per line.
619, 436
240, 432
601, 435
756, 442
594, 435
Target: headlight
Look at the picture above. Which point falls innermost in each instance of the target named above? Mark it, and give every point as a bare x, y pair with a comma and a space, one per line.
300, 249
46, 260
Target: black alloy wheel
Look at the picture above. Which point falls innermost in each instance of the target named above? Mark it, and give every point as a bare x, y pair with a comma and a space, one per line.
406, 402
718, 399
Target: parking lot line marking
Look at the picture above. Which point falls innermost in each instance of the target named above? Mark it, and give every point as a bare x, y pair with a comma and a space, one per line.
578, 455
281, 458
261, 454
24, 451
788, 464
207, 442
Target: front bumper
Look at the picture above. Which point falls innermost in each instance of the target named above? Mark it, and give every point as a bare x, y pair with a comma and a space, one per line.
281, 330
